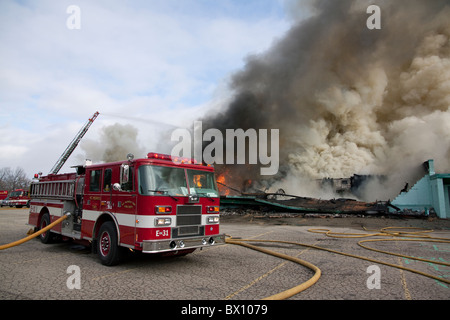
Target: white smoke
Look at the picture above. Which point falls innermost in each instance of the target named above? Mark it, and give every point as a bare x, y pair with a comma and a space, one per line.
114, 143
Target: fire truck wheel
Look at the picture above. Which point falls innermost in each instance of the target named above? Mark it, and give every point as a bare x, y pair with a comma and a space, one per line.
108, 250
45, 237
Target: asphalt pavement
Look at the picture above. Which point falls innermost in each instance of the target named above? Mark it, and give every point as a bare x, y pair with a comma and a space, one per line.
66, 271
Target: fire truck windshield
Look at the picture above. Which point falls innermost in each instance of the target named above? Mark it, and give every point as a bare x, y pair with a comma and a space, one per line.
158, 180
16, 193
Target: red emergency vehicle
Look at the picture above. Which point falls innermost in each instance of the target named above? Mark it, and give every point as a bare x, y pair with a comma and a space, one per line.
19, 198
156, 204
3, 194
3, 198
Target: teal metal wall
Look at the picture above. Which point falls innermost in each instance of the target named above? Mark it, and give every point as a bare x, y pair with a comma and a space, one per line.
432, 191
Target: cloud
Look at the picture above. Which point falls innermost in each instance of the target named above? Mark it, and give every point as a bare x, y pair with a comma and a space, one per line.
159, 60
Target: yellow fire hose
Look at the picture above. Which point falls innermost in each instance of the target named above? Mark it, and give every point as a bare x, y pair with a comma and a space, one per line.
421, 235
293, 291
36, 234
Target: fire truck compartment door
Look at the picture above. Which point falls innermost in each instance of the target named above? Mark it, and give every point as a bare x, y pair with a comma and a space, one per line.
123, 206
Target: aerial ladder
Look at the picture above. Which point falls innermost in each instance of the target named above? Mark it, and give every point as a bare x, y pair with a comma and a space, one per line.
71, 147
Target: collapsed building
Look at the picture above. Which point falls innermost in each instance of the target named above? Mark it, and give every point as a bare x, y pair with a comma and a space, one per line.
430, 195
349, 187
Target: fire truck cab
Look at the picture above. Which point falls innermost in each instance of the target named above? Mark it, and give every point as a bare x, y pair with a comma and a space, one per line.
153, 205
19, 198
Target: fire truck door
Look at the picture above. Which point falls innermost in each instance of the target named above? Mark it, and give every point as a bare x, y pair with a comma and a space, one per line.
124, 205
106, 203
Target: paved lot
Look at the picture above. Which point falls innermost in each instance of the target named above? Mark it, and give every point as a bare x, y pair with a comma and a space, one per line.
36, 271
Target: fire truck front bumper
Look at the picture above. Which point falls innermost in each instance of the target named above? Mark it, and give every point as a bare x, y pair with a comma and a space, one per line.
182, 244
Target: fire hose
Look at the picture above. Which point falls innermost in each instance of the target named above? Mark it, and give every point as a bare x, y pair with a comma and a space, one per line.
420, 236
36, 234
293, 291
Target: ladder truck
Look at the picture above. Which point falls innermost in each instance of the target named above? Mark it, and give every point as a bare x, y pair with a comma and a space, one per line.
158, 204
71, 147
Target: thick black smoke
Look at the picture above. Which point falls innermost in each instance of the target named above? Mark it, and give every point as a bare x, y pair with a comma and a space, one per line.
348, 99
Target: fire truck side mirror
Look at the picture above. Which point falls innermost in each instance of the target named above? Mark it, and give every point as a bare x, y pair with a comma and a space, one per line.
116, 186
124, 173
126, 177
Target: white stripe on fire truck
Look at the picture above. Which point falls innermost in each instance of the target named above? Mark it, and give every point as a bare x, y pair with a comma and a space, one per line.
56, 210
128, 220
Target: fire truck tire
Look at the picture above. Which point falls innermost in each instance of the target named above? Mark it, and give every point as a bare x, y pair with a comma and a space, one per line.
108, 250
45, 237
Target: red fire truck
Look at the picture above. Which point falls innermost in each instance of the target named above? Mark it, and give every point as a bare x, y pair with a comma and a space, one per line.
19, 198
158, 204
3, 194
3, 198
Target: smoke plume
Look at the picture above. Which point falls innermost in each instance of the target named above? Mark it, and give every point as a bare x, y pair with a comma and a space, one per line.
350, 100
114, 143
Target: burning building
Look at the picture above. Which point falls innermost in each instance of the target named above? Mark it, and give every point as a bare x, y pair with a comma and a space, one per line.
347, 99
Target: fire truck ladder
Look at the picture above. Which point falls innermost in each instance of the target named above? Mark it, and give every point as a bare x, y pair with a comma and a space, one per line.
73, 145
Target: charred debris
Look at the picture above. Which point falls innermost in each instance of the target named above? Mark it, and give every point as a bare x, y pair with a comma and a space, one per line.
258, 201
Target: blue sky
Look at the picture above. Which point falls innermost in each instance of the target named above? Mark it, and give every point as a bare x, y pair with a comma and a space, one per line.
136, 62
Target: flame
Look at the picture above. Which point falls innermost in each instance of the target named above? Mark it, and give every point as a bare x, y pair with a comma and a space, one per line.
232, 182
221, 182
197, 181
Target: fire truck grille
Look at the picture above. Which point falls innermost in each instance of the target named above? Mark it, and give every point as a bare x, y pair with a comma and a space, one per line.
188, 231
188, 210
189, 215
189, 220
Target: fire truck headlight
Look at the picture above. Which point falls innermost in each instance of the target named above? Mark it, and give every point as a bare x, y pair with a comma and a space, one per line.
162, 222
214, 219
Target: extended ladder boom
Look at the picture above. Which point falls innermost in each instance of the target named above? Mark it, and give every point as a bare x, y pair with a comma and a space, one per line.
58, 165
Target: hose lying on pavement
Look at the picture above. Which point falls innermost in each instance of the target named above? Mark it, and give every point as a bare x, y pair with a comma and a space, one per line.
420, 236
36, 234
293, 291
417, 236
